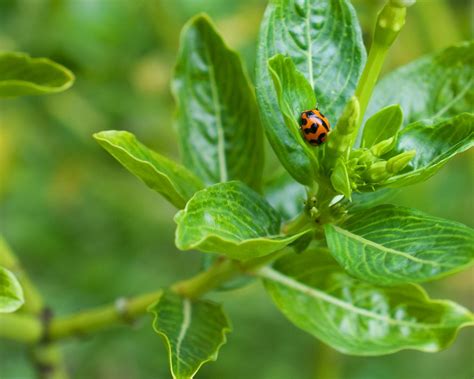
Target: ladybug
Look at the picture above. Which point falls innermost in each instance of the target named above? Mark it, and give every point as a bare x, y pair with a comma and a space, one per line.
314, 126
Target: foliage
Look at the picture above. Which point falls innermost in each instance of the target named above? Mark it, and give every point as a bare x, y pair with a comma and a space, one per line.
348, 268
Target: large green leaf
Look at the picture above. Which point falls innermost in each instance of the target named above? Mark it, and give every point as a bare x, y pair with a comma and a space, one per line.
382, 125
356, 317
173, 181
11, 294
193, 331
22, 75
231, 219
390, 245
324, 41
218, 123
435, 142
438, 85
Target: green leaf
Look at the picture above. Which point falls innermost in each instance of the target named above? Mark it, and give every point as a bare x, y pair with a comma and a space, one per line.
22, 75
176, 183
365, 200
356, 317
382, 125
324, 41
11, 294
437, 85
340, 179
193, 331
435, 143
217, 118
285, 195
231, 219
390, 245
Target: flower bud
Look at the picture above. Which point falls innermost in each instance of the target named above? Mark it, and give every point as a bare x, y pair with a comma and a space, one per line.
382, 147
402, 3
389, 23
400, 161
343, 134
377, 172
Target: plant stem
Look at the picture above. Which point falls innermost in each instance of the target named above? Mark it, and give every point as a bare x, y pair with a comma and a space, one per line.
369, 77
389, 23
123, 310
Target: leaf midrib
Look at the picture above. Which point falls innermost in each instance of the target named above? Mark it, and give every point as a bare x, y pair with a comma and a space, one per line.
223, 175
273, 275
387, 250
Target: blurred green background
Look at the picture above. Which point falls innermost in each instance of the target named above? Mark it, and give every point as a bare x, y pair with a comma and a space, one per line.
89, 232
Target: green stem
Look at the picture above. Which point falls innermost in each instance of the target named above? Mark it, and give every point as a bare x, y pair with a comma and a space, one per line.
369, 77
389, 23
127, 310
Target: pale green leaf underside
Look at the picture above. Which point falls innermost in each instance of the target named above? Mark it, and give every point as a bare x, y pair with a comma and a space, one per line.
390, 245
437, 85
172, 180
193, 331
11, 293
356, 317
324, 41
231, 219
435, 143
217, 118
22, 75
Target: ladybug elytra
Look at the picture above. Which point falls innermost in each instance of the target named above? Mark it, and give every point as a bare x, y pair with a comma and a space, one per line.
314, 126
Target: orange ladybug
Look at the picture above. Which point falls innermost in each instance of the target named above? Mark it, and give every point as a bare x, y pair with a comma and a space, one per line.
314, 126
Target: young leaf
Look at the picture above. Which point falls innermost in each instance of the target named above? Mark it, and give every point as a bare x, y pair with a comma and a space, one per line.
193, 331
382, 125
294, 95
218, 123
11, 294
176, 183
340, 179
22, 75
285, 195
390, 245
231, 219
438, 85
324, 41
355, 317
435, 143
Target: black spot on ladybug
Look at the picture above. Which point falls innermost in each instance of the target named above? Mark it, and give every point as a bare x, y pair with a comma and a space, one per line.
303, 121
309, 113
322, 137
324, 123
307, 131
314, 142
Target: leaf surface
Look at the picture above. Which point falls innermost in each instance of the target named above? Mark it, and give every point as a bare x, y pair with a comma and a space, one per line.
231, 219
324, 41
22, 75
389, 245
356, 317
176, 183
11, 293
437, 85
382, 125
218, 124
435, 143
193, 331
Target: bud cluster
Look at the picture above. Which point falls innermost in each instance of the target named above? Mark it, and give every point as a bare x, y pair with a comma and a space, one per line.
367, 167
